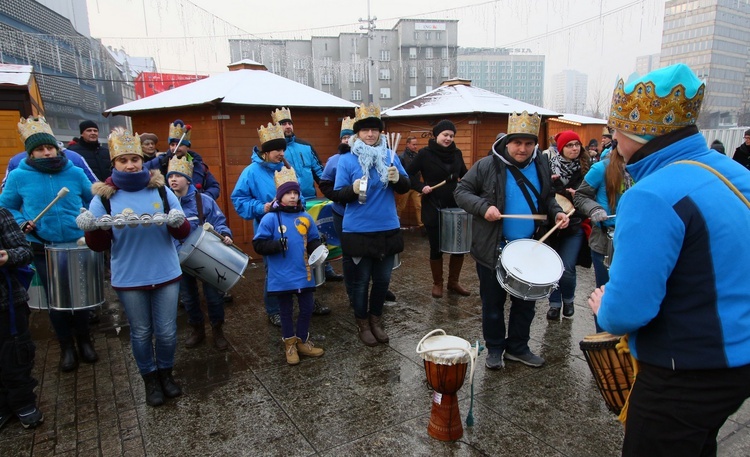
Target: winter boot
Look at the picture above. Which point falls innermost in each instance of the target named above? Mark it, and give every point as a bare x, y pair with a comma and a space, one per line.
86, 348
154, 395
196, 336
365, 333
376, 326
454, 271
169, 386
290, 348
68, 358
436, 266
220, 342
307, 348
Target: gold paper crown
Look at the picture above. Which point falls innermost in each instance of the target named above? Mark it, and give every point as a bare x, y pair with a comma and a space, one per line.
281, 115
284, 176
643, 112
182, 166
176, 131
363, 112
121, 142
524, 123
605, 131
32, 126
347, 124
272, 132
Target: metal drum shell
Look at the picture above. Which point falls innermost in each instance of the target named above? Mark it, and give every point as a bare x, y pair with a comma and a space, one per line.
396, 260
319, 274
75, 278
455, 231
206, 257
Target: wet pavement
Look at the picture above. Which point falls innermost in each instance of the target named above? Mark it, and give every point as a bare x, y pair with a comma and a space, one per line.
354, 400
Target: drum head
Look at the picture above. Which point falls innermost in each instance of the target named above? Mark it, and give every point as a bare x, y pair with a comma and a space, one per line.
318, 256
446, 349
533, 262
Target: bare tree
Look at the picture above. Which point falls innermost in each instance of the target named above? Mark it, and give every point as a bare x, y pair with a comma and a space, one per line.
600, 97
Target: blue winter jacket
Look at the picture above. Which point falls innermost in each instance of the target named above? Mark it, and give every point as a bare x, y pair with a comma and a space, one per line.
203, 179
73, 156
678, 282
255, 187
28, 191
211, 212
303, 158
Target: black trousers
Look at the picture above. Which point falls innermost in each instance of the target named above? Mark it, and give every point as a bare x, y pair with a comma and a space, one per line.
16, 361
680, 412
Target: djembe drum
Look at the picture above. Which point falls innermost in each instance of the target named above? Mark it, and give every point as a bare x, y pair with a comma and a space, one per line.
612, 369
445, 363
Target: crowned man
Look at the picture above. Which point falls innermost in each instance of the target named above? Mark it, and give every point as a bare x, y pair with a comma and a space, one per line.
179, 146
199, 208
678, 281
513, 179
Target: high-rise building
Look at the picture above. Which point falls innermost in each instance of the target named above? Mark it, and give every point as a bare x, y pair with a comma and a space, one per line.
645, 64
515, 73
413, 57
569, 88
712, 37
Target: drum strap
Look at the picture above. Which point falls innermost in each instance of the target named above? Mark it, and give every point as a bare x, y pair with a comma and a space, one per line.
162, 193
720, 176
524, 184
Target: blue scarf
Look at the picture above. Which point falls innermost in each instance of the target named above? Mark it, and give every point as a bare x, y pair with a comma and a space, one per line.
130, 182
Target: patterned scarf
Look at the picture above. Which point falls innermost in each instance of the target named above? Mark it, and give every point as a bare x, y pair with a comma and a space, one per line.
372, 156
564, 167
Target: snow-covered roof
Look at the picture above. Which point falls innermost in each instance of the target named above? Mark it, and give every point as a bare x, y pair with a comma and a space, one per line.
577, 118
462, 98
16, 75
238, 87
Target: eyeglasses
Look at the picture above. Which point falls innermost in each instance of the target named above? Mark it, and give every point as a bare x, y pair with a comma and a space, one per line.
573, 145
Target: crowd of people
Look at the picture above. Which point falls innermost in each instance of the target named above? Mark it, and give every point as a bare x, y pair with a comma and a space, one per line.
649, 187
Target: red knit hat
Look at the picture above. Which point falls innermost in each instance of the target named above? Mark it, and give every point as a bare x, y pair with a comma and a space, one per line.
563, 138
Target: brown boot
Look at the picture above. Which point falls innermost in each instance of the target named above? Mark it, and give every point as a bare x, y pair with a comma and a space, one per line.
376, 326
196, 336
290, 348
365, 333
307, 348
437, 277
220, 342
454, 271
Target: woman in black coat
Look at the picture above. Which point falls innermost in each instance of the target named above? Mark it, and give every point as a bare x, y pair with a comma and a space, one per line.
440, 161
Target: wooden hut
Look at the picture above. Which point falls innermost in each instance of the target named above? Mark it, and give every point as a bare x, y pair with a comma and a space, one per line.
479, 115
19, 97
225, 111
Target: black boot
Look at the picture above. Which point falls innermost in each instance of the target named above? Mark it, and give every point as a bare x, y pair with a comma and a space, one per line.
154, 395
168, 385
86, 349
68, 358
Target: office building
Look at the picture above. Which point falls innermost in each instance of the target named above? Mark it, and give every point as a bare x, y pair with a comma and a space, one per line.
569, 89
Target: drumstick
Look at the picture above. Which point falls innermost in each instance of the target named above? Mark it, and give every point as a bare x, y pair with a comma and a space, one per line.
438, 185
63, 192
539, 217
546, 235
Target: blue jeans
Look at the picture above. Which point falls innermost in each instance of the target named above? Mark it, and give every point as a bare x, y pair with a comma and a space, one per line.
191, 299
380, 273
493, 316
601, 273
568, 249
286, 306
152, 313
271, 301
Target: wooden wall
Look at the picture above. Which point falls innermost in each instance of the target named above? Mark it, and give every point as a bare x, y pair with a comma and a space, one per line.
587, 132
225, 137
16, 102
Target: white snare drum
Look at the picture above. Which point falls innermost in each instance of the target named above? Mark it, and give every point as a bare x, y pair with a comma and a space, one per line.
75, 277
205, 256
529, 270
455, 231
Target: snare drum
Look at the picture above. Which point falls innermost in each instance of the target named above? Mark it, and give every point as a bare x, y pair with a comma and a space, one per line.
396, 260
455, 231
205, 256
612, 370
75, 277
529, 270
609, 234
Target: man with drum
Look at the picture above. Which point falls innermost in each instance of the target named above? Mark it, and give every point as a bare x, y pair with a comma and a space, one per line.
199, 208
489, 191
678, 280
